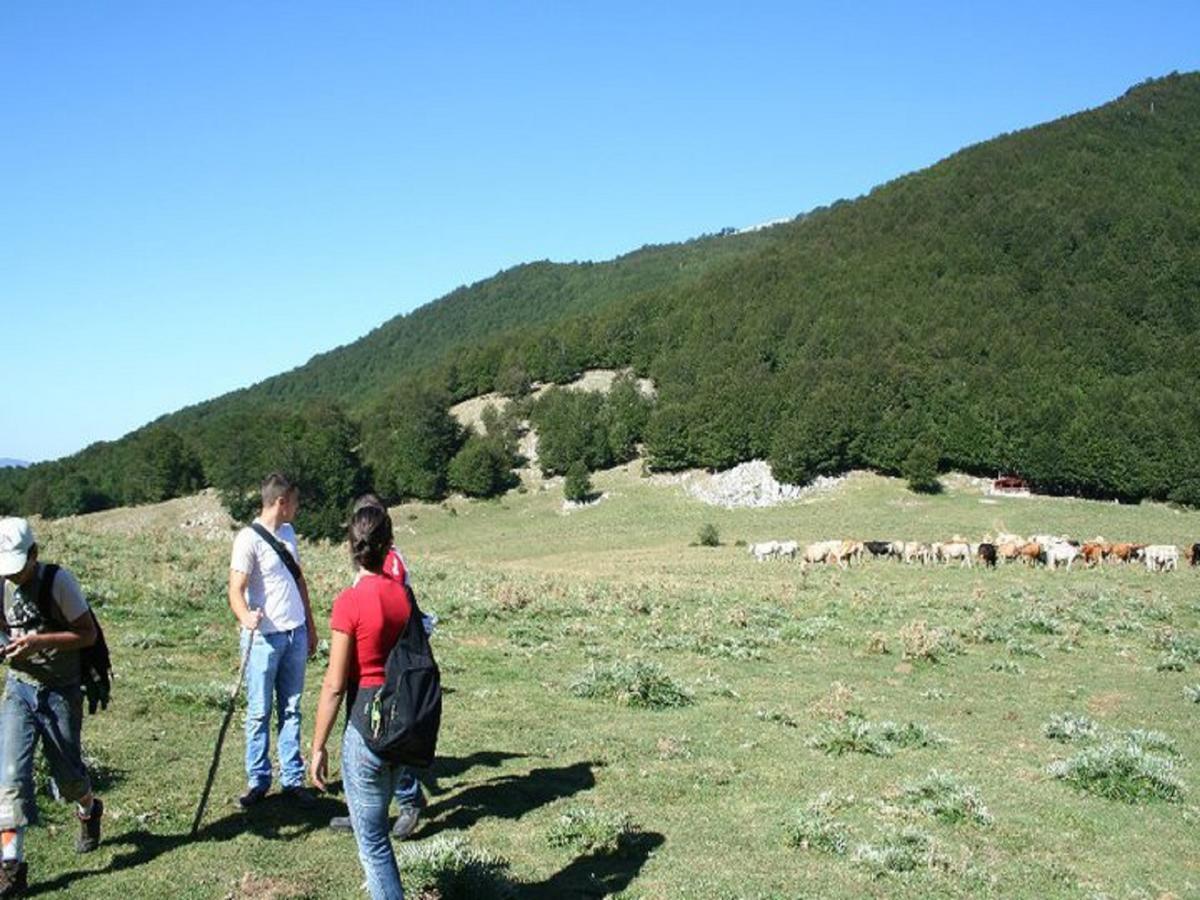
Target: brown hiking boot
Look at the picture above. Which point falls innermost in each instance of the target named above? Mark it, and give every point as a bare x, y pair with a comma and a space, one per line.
89, 829
14, 878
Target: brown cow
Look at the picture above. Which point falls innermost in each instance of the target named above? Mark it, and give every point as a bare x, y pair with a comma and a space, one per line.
1032, 552
1009, 552
1093, 553
1126, 552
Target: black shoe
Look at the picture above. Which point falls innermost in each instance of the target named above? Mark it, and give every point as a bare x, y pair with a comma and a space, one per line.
406, 822
89, 829
299, 796
14, 878
341, 823
252, 796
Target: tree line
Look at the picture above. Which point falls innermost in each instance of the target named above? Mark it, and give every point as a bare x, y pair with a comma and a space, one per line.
1028, 305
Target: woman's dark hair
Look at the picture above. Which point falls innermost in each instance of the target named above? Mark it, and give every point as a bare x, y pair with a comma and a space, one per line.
368, 500
370, 537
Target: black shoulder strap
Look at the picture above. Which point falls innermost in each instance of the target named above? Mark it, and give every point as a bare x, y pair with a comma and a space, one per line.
45, 598
288, 559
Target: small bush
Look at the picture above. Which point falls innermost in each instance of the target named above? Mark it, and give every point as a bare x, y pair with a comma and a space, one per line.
449, 868
632, 683
942, 796
932, 644
854, 734
814, 829
577, 486
1007, 666
1121, 770
1192, 692
1152, 741
901, 851
1067, 727
586, 829
708, 536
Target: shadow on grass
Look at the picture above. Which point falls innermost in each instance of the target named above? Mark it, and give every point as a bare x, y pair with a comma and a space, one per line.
598, 874
506, 797
274, 819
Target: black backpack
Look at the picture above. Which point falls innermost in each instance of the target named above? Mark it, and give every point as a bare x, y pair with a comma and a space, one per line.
399, 720
95, 667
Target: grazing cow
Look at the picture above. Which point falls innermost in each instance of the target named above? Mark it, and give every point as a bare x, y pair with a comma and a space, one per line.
1010, 551
787, 548
1093, 553
1161, 557
1032, 553
847, 552
1061, 552
959, 550
764, 550
879, 548
1194, 554
1123, 552
987, 554
917, 552
820, 551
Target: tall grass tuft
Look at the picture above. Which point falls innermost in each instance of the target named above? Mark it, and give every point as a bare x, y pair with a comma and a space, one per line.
1068, 727
1121, 769
941, 795
586, 829
814, 828
449, 868
632, 683
899, 851
854, 734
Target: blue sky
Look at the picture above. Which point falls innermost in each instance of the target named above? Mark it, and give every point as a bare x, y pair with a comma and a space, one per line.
195, 196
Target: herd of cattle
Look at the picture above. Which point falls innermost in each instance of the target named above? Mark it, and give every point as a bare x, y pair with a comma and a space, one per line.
1048, 550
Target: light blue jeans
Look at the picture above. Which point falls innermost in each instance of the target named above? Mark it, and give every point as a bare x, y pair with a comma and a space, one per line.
30, 712
370, 783
274, 676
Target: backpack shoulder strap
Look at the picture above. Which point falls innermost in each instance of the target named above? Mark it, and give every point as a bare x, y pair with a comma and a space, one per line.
288, 560
45, 598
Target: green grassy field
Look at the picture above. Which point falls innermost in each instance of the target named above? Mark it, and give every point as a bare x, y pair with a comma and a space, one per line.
753, 731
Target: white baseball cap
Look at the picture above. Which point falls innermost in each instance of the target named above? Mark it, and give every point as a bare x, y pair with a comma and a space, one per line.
16, 537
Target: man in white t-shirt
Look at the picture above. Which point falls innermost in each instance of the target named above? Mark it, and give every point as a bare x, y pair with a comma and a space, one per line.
271, 604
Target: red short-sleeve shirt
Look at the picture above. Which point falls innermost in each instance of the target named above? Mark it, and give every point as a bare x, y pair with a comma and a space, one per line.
373, 612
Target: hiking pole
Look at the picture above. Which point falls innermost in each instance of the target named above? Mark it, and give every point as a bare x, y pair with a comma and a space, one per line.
216, 760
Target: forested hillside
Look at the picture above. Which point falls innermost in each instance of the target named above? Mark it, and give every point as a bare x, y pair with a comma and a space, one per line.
1029, 304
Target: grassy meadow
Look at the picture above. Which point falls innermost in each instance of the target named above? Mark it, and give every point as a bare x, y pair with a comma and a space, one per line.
628, 713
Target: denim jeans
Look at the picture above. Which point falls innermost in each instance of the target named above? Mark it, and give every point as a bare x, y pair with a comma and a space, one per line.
274, 675
29, 712
370, 782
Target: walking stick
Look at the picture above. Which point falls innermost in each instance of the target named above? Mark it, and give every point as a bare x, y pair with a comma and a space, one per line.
216, 760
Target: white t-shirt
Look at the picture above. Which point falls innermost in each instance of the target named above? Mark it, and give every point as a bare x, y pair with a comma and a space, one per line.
269, 585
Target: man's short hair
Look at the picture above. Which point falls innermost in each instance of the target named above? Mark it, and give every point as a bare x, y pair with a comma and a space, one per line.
274, 486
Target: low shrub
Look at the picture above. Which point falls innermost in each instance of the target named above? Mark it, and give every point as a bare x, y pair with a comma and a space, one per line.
941, 795
586, 829
900, 851
815, 829
854, 734
632, 683
1067, 727
708, 535
1121, 770
449, 868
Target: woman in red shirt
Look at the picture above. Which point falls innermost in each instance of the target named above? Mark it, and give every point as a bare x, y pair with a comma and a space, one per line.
368, 619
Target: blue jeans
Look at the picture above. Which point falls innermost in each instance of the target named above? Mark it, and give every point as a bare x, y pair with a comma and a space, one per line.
370, 783
274, 674
28, 712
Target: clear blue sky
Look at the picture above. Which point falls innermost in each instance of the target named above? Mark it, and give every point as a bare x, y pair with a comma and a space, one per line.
195, 196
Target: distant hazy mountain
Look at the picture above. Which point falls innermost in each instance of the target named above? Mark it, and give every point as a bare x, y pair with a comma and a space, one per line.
9, 463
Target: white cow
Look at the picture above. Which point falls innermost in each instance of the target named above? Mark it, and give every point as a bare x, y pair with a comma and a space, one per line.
820, 551
1060, 552
787, 548
959, 550
765, 550
1161, 557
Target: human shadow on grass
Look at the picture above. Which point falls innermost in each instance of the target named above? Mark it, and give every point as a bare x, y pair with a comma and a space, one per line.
453, 766
506, 797
275, 818
598, 873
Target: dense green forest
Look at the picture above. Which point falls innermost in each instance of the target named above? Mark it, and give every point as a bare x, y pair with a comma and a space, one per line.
1030, 304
